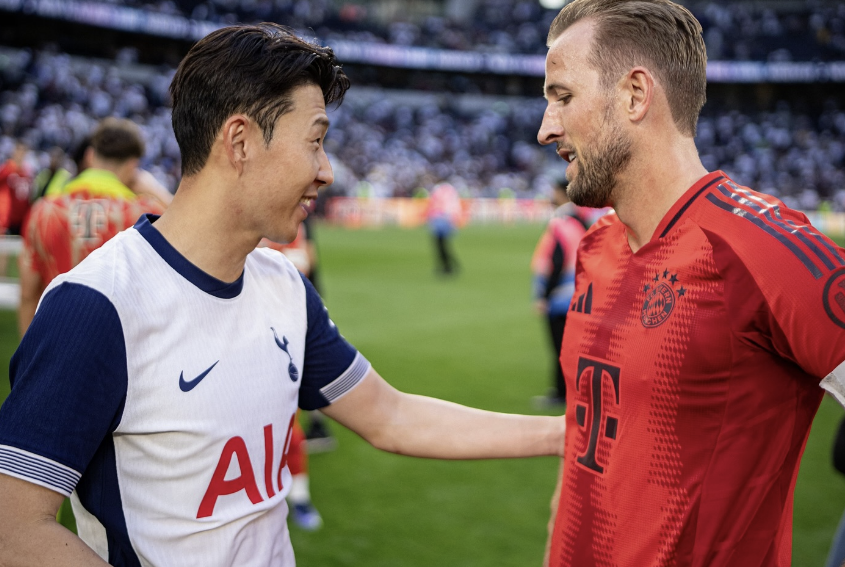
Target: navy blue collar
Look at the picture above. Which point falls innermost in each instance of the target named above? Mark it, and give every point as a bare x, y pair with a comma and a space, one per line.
208, 284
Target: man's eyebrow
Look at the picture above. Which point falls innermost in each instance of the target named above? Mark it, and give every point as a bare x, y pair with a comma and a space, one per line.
322, 121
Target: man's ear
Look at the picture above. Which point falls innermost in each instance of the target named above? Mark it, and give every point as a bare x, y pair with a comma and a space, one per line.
639, 89
235, 138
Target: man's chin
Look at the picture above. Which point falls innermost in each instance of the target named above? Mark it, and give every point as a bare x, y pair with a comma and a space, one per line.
586, 197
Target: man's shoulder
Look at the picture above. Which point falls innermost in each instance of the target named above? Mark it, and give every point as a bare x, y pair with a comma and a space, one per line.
268, 260
99, 270
770, 239
749, 219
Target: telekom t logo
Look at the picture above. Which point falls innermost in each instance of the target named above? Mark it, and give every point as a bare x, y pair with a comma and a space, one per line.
598, 370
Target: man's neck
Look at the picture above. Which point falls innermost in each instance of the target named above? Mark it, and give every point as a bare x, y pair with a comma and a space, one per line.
201, 227
651, 185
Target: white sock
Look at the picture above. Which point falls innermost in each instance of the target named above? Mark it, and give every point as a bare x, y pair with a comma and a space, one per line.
299, 491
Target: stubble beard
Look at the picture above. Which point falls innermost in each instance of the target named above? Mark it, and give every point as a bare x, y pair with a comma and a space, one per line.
599, 169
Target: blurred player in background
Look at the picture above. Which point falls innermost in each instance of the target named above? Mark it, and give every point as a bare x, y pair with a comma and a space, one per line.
87, 211
553, 266
444, 212
318, 437
301, 254
15, 188
54, 176
160, 378
716, 312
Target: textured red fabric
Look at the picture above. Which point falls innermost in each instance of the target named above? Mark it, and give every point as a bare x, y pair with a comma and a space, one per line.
693, 381
63, 230
298, 454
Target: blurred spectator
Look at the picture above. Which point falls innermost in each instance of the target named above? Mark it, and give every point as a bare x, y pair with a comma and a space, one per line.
553, 266
15, 187
53, 177
64, 229
444, 212
388, 143
812, 31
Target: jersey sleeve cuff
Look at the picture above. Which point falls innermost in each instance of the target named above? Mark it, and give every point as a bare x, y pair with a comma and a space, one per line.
347, 381
38, 470
835, 383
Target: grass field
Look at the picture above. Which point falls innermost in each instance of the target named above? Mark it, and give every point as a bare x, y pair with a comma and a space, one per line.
473, 339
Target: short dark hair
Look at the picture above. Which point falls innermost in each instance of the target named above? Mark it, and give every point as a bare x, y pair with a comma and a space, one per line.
659, 34
79, 151
250, 69
118, 139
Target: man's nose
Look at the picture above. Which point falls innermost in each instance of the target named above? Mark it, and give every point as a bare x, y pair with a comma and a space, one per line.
550, 128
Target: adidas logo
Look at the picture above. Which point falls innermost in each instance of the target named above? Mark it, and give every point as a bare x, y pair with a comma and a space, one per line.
585, 302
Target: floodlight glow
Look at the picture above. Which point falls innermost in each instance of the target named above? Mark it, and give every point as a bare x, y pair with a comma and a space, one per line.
552, 4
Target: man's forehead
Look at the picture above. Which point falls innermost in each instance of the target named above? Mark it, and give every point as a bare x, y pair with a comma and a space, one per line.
568, 53
308, 101
573, 44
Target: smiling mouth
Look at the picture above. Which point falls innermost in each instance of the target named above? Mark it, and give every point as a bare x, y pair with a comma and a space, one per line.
568, 156
306, 201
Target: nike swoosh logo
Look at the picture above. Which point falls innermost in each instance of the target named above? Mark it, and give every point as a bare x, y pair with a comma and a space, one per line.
186, 386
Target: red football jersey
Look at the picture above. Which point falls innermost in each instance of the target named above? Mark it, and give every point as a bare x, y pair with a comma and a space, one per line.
62, 230
692, 372
15, 187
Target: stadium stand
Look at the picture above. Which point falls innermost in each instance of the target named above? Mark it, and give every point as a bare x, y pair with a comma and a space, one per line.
743, 31
388, 143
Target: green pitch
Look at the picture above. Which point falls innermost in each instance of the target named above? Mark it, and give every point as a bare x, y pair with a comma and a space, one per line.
473, 339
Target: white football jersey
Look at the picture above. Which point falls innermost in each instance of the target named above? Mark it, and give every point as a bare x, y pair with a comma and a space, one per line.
164, 398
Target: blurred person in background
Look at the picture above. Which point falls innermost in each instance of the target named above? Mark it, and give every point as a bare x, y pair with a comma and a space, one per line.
52, 178
142, 183
715, 324
15, 188
318, 437
553, 266
444, 212
301, 253
81, 158
65, 227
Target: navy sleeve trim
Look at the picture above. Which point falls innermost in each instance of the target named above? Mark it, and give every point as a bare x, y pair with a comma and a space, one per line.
38, 470
331, 364
348, 380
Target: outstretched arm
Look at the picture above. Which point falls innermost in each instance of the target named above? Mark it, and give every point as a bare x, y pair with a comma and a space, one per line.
29, 533
419, 426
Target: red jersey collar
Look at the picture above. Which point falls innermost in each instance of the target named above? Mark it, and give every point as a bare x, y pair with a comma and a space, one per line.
676, 212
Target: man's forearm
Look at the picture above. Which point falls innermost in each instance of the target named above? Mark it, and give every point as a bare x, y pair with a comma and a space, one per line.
426, 427
29, 533
46, 542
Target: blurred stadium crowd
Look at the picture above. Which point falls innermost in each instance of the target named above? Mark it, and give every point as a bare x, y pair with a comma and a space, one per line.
389, 143
733, 31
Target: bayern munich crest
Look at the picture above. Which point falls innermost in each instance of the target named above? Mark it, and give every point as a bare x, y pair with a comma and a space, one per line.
660, 299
